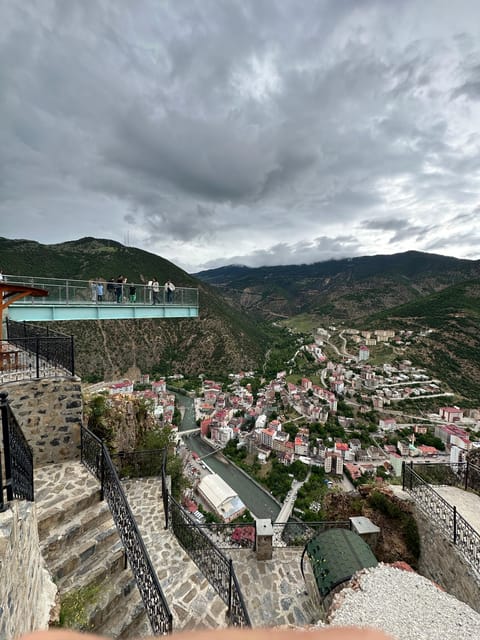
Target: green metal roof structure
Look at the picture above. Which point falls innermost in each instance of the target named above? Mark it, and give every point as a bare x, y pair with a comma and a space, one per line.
335, 555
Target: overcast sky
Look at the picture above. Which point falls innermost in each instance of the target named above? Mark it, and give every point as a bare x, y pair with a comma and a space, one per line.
257, 132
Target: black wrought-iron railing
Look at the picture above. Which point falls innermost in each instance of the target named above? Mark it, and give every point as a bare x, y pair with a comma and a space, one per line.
41, 351
16, 476
444, 515
96, 458
297, 534
230, 535
463, 475
138, 464
214, 565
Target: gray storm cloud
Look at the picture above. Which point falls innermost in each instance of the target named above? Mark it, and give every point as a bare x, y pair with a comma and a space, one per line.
242, 131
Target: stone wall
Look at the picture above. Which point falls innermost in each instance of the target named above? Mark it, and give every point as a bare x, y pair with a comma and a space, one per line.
49, 411
27, 592
441, 562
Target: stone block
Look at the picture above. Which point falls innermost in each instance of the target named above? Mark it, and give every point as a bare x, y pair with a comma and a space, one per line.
264, 539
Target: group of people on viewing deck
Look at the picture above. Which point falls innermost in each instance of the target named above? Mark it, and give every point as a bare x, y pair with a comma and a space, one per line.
120, 290
168, 288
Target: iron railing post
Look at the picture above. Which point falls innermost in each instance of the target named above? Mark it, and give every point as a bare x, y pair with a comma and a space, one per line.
72, 354
403, 475
411, 475
102, 474
6, 444
3, 505
466, 476
166, 502
230, 578
37, 356
454, 525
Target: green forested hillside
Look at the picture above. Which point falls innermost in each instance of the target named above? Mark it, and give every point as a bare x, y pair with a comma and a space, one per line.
340, 289
450, 348
438, 293
220, 340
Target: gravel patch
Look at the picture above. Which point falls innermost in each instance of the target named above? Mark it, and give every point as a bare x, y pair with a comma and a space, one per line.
405, 605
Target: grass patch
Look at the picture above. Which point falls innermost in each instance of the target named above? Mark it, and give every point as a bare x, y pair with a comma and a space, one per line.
303, 323
73, 607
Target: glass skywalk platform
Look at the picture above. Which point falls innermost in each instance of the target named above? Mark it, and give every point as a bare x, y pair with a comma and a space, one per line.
98, 300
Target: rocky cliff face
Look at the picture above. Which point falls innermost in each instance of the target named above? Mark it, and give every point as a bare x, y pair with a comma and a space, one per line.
221, 340
108, 348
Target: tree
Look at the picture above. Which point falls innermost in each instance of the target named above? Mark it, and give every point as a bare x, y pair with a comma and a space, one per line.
97, 412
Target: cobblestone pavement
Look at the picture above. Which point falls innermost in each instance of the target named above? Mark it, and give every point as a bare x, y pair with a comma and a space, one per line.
193, 601
56, 484
274, 591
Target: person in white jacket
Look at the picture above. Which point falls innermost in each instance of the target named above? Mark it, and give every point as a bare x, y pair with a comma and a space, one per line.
169, 289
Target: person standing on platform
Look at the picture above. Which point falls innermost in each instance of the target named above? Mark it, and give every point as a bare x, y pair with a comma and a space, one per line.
111, 290
155, 291
119, 289
132, 293
93, 290
169, 289
99, 291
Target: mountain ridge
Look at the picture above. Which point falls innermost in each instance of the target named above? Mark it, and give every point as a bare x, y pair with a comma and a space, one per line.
220, 339
335, 288
235, 328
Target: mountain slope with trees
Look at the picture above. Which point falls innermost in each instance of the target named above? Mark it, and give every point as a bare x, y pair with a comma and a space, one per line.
339, 289
220, 340
231, 333
450, 346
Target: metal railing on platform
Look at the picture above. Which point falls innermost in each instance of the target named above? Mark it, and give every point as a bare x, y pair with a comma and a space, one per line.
138, 464
96, 458
444, 515
214, 565
463, 475
231, 535
100, 291
16, 476
33, 351
203, 543
297, 534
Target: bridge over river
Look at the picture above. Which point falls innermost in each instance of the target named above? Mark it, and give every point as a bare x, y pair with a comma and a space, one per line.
258, 501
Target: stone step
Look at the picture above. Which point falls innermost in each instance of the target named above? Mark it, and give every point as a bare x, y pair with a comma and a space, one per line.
192, 600
59, 510
128, 620
112, 599
82, 548
139, 626
64, 536
91, 543
96, 569
61, 492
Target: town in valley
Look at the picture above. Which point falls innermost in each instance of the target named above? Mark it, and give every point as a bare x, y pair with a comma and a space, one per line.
349, 406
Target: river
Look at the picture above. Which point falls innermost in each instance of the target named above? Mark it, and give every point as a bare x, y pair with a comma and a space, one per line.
257, 500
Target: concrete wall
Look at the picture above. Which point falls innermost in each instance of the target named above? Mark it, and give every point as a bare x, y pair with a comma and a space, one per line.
49, 411
27, 592
441, 562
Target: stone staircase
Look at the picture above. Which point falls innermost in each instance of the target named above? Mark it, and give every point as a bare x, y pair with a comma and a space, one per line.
83, 551
193, 601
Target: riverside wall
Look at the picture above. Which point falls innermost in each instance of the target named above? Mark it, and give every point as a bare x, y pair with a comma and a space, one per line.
27, 592
441, 562
49, 412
